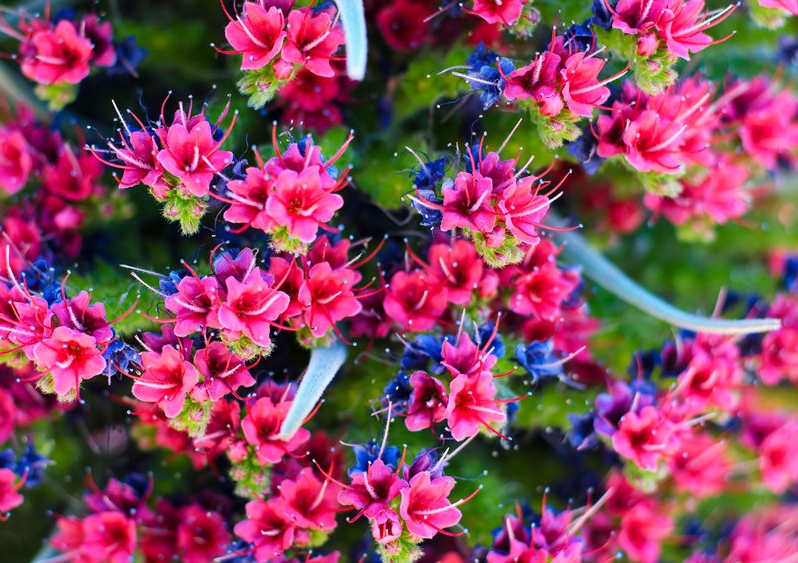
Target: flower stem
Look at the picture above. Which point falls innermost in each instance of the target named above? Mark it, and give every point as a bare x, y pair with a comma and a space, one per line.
354, 22
596, 267
323, 365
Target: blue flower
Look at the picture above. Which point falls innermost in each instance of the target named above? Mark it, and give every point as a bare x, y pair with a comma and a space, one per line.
485, 72
118, 357
539, 360
584, 150
398, 392
368, 454
33, 463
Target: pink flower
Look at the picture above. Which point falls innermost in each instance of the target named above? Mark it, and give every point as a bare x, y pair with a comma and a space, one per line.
16, 162
541, 292
460, 270
201, 534
328, 297
424, 506
523, 210
643, 528
74, 177
257, 34
581, 89
300, 203
191, 154
70, 356
222, 372
644, 437
373, 490
9, 497
472, 401
262, 425
58, 55
312, 40
166, 380
637, 16
109, 536
270, 529
718, 196
778, 458
195, 304
505, 12
250, 308
76, 313
427, 403
248, 200
309, 502
467, 203
538, 80
699, 465
412, 302
402, 24
386, 527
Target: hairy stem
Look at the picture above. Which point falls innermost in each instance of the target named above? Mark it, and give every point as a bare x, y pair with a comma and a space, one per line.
323, 365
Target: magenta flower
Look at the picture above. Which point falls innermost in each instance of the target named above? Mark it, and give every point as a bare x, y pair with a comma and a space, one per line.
108, 536
412, 302
251, 307
372, 490
425, 508
327, 296
386, 527
637, 16
467, 203
57, 55
222, 372
9, 495
427, 403
270, 529
201, 534
248, 199
74, 177
538, 80
194, 304
300, 203
16, 162
257, 34
505, 12
460, 271
262, 425
643, 527
582, 90
69, 356
644, 437
312, 504
191, 154
167, 379
76, 313
312, 40
472, 402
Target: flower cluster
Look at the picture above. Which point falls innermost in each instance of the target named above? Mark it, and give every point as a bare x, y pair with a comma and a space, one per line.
656, 34
405, 504
277, 42
178, 162
289, 197
493, 203
121, 525
58, 54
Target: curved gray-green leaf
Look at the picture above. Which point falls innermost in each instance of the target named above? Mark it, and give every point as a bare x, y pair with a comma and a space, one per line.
323, 365
353, 18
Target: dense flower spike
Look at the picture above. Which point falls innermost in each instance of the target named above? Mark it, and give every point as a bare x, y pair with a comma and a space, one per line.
207, 377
